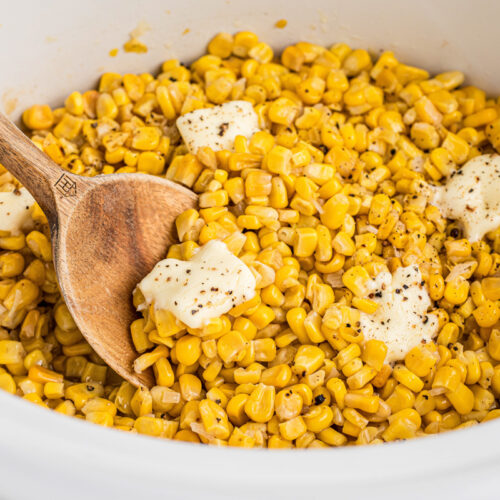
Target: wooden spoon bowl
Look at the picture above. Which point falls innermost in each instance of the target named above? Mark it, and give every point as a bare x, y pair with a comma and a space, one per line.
107, 233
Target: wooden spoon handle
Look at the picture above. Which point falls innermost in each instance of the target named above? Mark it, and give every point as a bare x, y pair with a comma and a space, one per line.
31, 166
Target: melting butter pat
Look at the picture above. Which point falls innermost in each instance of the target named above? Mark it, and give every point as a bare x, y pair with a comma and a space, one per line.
205, 287
472, 196
401, 320
217, 127
15, 210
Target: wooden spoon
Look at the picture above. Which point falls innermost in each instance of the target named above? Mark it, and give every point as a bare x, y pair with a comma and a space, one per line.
107, 233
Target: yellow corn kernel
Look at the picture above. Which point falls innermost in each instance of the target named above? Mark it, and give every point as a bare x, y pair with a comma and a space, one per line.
308, 359
354, 418
494, 345
278, 160
457, 147
361, 377
249, 375
295, 318
305, 241
283, 111
165, 101
379, 209
311, 90
462, 399
357, 61
312, 322
190, 387
292, 58
231, 346
260, 405
491, 288
258, 183
420, 360
332, 437
262, 316
106, 107
487, 314
43, 375
369, 404
150, 358
272, 296
68, 127
188, 350
163, 372
424, 135
134, 86
427, 112
343, 244
74, 103
288, 404
221, 45
448, 334
407, 378
261, 52
374, 353
34, 398
158, 427
457, 290
356, 279
145, 104
146, 138
219, 90
239, 438
491, 415
38, 117
278, 442
483, 399
99, 405
436, 286
11, 352
79, 394
236, 409
401, 398
292, 429
39, 245
403, 425
481, 118
109, 81
217, 198
7, 383
11, 264
265, 349
318, 418
246, 327
141, 402
151, 163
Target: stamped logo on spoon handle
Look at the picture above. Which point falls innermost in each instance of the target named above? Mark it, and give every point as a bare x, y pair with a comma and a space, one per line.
65, 186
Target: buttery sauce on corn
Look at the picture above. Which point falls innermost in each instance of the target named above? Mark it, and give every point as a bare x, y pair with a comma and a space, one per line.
205, 287
15, 210
401, 319
217, 127
472, 196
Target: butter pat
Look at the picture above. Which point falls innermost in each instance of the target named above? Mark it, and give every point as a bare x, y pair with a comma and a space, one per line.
401, 320
217, 127
472, 196
15, 210
205, 287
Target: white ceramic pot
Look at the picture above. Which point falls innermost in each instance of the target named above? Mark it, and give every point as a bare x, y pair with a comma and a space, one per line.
50, 48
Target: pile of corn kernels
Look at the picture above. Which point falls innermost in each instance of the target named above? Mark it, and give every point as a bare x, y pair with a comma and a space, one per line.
331, 184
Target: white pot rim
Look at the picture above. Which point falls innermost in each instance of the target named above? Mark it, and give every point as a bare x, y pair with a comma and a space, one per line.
61, 439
